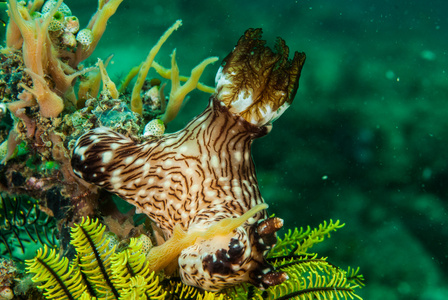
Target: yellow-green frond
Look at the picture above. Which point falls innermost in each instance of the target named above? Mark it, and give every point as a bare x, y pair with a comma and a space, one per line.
130, 262
317, 235
153, 288
129, 268
353, 276
291, 239
135, 290
210, 296
313, 285
57, 278
94, 251
87, 296
182, 291
304, 264
300, 241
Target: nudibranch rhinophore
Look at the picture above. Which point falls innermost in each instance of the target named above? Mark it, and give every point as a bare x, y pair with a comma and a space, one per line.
195, 181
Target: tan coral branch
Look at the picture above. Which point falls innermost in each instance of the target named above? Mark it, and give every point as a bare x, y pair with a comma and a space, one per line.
50, 104
136, 100
98, 25
178, 92
108, 85
166, 73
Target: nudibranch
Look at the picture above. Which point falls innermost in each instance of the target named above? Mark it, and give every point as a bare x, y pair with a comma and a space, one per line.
199, 184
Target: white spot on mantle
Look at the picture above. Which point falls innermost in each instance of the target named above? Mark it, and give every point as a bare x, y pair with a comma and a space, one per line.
214, 161
237, 156
107, 157
129, 160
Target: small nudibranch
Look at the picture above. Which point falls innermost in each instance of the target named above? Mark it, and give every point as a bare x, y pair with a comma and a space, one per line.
203, 175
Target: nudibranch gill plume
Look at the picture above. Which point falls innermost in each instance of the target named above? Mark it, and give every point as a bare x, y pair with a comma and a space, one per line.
199, 184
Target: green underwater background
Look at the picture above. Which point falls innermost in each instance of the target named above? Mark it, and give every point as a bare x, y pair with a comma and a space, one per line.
365, 140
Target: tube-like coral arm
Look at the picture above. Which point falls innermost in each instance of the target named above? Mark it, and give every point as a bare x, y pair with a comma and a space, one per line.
178, 92
98, 25
166, 73
62, 74
35, 5
136, 100
34, 35
14, 38
50, 104
89, 87
108, 85
20, 16
161, 256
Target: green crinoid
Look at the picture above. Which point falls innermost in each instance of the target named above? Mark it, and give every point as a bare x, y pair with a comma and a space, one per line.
24, 227
310, 276
99, 271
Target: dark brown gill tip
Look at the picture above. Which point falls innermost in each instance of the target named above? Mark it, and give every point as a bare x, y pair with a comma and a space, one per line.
267, 229
269, 226
256, 82
274, 278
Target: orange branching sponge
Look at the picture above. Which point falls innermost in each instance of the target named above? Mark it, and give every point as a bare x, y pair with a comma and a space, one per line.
47, 57
35, 55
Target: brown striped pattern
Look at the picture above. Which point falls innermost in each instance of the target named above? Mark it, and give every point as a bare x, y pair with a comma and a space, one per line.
198, 175
194, 177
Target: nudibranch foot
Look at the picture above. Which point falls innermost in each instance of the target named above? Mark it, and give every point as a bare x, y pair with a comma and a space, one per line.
161, 256
199, 184
223, 260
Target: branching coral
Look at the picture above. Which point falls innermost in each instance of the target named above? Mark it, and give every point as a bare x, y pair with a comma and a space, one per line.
178, 92
36, 55
44, 56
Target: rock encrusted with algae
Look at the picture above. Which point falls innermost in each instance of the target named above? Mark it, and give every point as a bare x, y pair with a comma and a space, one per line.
7, 275
204, 174
40, 64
